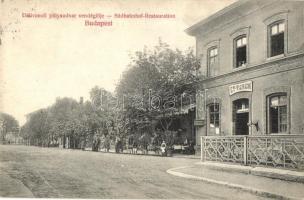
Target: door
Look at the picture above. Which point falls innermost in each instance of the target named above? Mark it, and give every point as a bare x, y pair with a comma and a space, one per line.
241, 127
241, 116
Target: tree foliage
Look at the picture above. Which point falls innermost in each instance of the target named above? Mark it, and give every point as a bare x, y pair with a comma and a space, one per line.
157, 84
8, 124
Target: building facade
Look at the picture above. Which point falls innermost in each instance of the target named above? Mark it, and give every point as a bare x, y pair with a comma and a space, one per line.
252, 57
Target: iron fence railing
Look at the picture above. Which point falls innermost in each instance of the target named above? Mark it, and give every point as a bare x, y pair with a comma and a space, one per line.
285, 151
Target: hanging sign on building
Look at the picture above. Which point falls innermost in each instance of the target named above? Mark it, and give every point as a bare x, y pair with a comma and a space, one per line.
240, 87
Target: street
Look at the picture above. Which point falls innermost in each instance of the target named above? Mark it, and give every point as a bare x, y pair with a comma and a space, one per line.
60, 173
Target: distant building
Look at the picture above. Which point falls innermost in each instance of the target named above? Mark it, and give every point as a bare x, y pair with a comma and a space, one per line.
252, 54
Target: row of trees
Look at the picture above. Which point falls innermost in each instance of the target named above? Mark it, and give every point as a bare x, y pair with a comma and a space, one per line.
65, 118
157, 83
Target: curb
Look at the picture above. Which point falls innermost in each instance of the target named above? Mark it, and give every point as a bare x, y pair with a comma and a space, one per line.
227, 184
281, 174
286, 176
226, 167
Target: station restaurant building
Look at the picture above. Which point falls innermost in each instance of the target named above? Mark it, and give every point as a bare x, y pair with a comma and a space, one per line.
252, 58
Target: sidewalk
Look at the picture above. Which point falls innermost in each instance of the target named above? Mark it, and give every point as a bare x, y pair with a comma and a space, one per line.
240, 177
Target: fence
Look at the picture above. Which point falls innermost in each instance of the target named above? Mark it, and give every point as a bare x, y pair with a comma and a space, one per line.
285, 151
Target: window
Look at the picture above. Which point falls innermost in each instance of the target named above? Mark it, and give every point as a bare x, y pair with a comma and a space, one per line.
242, 105
212, 61
277, 109
240, 51
277, 39
214, 117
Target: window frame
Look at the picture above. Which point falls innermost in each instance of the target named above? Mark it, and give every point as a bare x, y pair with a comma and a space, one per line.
281, 16
209, 58
236, 34
211, 102
214, 113
268, 118
269, 38
235, 47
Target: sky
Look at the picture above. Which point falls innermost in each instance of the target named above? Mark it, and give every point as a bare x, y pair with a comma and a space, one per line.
42, 58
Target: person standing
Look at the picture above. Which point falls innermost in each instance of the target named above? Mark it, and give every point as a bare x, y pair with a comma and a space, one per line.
135, 145
163, 148
107, 143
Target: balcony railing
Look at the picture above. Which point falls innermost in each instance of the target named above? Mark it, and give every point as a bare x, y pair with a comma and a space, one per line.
286, 151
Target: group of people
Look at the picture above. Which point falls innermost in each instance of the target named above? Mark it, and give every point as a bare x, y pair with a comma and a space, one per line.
135, 142
158, 142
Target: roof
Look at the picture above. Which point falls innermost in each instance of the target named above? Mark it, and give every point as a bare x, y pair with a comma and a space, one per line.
194, 28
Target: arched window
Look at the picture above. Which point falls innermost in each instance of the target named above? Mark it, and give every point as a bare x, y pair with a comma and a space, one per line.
277, 28
276, 38
240, 41
240, 51
277, 117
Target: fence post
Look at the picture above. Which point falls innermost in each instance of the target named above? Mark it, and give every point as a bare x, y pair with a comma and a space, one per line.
245, 150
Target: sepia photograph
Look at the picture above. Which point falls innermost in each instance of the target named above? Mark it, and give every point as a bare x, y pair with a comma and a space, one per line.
154, 99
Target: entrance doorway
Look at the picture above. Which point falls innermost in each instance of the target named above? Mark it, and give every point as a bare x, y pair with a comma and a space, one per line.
241, 116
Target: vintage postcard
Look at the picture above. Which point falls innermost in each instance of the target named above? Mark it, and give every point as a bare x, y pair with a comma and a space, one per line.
155, 99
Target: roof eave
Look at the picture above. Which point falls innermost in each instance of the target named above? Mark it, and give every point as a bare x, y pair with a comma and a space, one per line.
192, 30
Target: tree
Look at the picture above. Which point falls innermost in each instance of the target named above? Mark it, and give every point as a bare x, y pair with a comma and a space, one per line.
36, 127
8, 124
155, 85
49, 124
